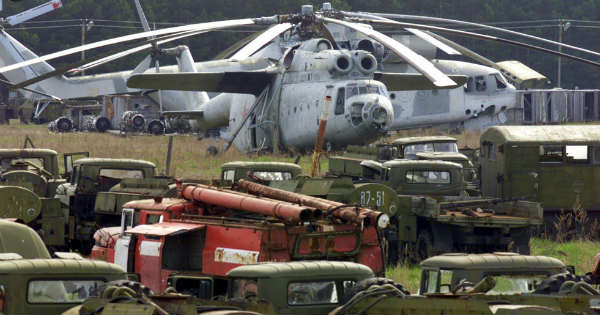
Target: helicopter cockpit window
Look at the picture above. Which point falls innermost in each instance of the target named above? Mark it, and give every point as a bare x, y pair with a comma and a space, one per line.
365, 89
480, 84
469, 85
339, 102
500, 82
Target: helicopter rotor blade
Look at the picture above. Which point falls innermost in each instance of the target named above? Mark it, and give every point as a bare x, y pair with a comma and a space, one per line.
423, 35
260, 41
128, 52
208, 26
422, 65
478, 25
474, 35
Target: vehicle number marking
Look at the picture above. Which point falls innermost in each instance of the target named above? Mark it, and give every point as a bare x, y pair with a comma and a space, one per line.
236, 256
365, 198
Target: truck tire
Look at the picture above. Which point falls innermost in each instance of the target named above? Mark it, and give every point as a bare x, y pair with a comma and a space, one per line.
424, 248
367, 283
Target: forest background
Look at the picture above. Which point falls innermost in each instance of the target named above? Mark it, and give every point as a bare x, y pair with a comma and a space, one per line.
62, 28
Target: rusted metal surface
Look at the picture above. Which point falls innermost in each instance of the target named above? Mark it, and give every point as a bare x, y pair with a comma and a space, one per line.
289, 213
357, 215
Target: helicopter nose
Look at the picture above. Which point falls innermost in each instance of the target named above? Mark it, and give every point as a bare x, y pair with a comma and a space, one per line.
382, 113
372, 111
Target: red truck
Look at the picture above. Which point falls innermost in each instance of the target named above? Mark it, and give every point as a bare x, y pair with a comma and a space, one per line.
185, 242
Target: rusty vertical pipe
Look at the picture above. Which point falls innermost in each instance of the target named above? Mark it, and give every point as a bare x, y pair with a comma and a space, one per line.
289, 213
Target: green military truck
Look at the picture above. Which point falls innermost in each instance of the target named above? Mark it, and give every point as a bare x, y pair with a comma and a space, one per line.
429, 209
29, 179
87, 177
307, 287
403, 148
557, 166
442, 148
496, 283
33, 283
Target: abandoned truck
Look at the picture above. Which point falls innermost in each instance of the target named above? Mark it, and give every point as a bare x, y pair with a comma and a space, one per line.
29, 179
302, 287
441, 148
496, 283
426, 203
86, 178
557, 166
33, 283
221, 229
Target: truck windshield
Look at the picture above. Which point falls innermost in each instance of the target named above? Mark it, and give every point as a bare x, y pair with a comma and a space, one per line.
427, 177
318, 292
61, 291
515, 284
268, 175
244, 288
431, 147
120, 173
7, 163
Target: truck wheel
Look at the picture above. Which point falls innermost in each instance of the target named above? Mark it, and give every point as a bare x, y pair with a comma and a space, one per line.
367, 283
424, 245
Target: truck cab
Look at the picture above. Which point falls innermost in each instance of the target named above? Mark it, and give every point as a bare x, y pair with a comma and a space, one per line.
34, 169
307, 287
512, 273
87, 178
411, 177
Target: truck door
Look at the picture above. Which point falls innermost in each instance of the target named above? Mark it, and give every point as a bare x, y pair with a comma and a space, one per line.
69, 158
122, 248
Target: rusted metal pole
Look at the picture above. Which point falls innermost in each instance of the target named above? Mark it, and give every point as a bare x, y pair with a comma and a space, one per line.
169, 150
315, 166
350, 213
289, 213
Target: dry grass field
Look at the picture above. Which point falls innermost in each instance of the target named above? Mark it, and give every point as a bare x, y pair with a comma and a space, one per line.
189, 158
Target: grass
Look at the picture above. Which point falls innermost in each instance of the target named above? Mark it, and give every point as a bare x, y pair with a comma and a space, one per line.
576, 253
189, 158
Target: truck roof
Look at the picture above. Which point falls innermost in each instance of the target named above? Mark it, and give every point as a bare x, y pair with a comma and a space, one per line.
58, 266
114, 162
422, 164
27, 153
20, 239
263, 165
535, 135
442, 156
301, 269
494, 261
425, 139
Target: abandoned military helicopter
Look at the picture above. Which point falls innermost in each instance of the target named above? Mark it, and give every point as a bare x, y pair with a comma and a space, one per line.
263, 72
309, 74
